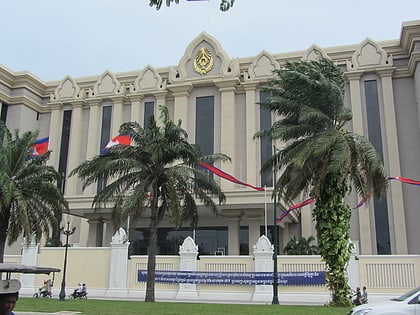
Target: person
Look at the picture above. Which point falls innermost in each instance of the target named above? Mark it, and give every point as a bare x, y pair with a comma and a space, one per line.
357, 297
45, 290
9, 294
77, 291
364, 296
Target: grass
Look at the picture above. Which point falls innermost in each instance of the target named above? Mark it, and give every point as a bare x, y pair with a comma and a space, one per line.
108, 307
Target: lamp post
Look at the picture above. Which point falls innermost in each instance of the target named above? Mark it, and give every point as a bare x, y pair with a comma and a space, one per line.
67, 232
276, 242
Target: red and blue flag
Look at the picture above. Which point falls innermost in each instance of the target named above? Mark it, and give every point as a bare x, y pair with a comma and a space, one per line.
117, 140
40, 147
228, 177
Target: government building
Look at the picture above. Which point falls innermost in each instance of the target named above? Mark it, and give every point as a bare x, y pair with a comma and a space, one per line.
217, 99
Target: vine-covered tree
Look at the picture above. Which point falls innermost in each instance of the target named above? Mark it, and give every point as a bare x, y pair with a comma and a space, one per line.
225, 5
30, 200
157, 174
321, 158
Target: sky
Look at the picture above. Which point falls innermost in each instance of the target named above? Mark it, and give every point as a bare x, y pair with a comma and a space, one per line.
55, 38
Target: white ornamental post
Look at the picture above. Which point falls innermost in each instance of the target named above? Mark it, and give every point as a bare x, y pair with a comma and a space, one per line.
263, 262
188, 253
118, 265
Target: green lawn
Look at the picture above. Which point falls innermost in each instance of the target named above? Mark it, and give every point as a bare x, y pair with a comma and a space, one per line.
106, 307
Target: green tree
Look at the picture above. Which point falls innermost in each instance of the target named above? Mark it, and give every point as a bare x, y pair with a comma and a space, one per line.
29, 198
225, 5
321, 157
301, 246
157, 174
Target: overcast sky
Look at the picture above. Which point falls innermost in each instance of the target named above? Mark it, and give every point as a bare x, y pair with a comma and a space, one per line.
55, 38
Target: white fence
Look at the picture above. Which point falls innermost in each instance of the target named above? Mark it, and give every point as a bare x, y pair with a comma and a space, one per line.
390, 274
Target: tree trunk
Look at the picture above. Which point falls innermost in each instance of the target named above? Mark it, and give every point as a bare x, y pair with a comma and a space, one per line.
333, 229
3, 239
151, 251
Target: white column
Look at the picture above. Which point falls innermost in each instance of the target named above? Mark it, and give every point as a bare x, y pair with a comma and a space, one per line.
74, 146
397, 216
160, 101
188, 253
232, 219
252, 168
117, 115
93, 137
255, 217
55, 133
29, 257
137, 111
228, 128
118, 284
365, 231
263, 262
181, 95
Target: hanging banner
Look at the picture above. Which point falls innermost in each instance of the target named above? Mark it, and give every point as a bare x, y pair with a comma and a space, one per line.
236, 278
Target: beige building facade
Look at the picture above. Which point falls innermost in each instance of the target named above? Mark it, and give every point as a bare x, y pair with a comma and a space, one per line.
217, 98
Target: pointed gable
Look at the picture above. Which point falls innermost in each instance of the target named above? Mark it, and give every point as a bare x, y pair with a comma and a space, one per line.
203, 58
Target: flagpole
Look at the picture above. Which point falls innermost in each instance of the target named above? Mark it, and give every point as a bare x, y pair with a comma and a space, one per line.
265, 210
276, 242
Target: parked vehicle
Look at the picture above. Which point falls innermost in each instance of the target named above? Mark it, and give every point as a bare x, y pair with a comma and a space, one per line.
406, 304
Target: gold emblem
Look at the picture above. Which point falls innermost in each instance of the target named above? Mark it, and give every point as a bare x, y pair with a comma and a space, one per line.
203, 61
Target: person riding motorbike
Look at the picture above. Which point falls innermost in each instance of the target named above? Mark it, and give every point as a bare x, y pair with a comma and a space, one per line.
45, 290
80, 292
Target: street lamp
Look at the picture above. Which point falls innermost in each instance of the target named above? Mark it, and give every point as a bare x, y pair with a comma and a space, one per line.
276, 242
67, 232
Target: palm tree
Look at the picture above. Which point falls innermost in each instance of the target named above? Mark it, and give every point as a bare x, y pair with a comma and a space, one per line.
158, 173
225, 5
30, 200
321, 158
301, 246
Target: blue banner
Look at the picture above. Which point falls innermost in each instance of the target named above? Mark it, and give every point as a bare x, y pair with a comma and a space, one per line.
236, 278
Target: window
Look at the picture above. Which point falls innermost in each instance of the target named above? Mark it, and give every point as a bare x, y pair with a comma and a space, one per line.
105, 137
265, 142
64, 148
4, 108
204, 124
149, 110
375, 137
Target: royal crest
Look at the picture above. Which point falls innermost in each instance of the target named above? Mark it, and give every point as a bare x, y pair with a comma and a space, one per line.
203, 61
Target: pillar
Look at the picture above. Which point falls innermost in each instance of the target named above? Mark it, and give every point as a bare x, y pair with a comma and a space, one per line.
254, 222
118, 284
95, 232
137, 114
397, 216
233, 219
55, 133
188, 253
117, 115
29, 257
251, 116
263, 262
228, 127
93, 137
181, 95
160, 101
75, 146
365, 231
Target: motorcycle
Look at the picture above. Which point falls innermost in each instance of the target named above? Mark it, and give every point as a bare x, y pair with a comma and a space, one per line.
45, 290
79, 293
42, 293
